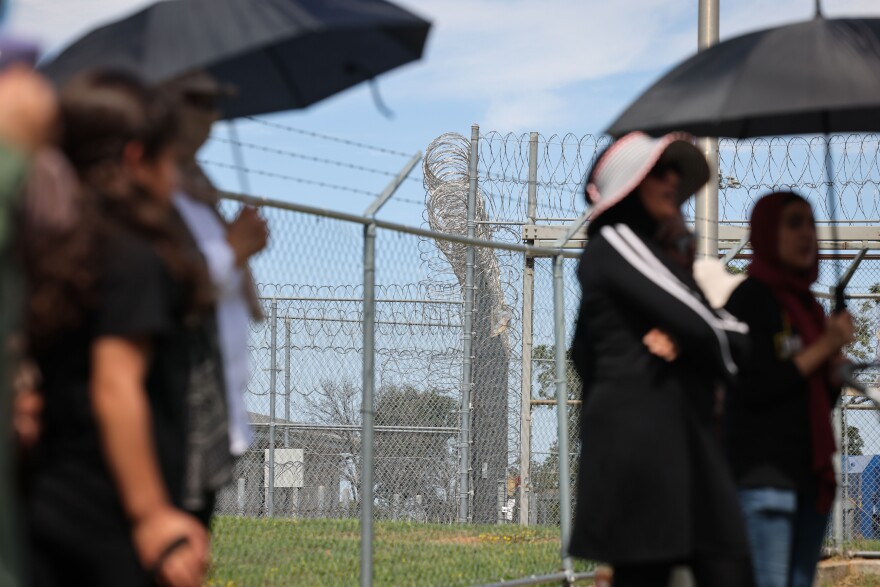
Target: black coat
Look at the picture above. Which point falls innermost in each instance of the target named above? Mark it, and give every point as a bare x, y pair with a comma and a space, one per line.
653, 483
767, 418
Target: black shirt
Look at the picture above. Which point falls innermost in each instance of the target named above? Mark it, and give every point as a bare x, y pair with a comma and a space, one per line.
138, 300
767, 420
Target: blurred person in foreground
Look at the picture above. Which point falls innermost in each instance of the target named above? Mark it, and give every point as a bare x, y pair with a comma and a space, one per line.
28, 118
654, 490
226, 246
778, 417
113, 291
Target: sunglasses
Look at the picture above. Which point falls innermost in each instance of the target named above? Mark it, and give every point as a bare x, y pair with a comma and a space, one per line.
663, 167
201, 101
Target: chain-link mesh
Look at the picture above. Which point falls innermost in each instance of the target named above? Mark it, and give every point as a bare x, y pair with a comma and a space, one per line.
858, 421
544, 462
297, 485
448, 506
293, 506
860, 475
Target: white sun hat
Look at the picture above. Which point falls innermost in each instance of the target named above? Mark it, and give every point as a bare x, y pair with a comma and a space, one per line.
629, 160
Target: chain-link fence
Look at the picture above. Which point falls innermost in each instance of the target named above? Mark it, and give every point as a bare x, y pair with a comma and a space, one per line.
462, 365
856, 527
444, 419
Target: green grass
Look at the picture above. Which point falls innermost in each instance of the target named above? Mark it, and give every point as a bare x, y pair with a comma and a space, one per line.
260, 552
864, 544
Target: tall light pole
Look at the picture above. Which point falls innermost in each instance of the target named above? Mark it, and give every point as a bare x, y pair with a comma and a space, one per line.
706, 205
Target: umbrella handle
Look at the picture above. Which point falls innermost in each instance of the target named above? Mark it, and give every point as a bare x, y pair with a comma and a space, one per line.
839, 300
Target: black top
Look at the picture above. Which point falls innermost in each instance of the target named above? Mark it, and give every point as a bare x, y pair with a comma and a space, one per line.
653, 482
767, 420
138, 300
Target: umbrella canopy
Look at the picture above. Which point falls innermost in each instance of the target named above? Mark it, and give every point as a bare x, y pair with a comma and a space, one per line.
279, 54
819, 76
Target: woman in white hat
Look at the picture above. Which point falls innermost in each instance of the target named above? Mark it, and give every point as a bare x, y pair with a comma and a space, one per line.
654, 491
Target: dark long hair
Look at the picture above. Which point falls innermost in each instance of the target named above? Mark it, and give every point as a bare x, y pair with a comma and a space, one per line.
101, 113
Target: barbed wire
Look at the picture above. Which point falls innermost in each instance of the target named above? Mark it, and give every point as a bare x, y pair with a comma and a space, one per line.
304, 181
747, 168
312, 158
317, 135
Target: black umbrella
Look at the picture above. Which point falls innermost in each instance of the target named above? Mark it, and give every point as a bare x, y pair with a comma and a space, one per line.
279, 54
819, 76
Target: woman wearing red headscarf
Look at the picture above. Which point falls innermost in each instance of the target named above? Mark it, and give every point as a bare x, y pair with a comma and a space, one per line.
779, 414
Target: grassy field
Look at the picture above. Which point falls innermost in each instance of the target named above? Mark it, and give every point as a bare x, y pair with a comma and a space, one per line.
261, 553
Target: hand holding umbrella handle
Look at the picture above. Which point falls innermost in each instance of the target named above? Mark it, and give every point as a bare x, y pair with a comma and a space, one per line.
843, 281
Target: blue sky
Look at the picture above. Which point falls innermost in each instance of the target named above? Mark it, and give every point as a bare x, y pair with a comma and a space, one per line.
554, 66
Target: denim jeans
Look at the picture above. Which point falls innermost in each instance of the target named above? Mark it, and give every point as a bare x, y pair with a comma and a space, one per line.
785, 533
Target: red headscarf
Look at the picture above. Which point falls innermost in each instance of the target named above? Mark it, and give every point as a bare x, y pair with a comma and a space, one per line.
792, 291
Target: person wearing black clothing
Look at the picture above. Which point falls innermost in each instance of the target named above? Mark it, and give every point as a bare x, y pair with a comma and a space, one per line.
654, 490
112, 294
778, 416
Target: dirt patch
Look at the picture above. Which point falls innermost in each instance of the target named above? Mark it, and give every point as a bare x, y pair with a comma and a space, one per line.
848, 573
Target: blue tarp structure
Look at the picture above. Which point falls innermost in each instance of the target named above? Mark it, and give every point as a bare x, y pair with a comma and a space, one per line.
861, 474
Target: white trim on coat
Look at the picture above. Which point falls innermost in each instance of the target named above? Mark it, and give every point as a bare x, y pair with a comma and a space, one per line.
725, 320
672, 286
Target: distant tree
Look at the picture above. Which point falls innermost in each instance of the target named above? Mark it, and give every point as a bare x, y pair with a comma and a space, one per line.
416, 470
408, 463
545, 474
863, 348
855, 443
543, 357
335, 403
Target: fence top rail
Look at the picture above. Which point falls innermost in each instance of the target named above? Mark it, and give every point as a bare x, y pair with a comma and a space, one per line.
266, 298
403, 228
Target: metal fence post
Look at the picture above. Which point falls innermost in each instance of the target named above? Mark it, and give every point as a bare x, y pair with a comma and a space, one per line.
287, 388
561, 364
706, 204
368, 408
467, 334
273, 381
562, 409
367, 405
525, 432
837, 528
844, 495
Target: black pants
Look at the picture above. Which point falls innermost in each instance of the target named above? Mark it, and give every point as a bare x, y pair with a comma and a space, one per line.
708, 571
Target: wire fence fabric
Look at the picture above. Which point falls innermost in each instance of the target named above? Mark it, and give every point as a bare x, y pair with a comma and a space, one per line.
292, 510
